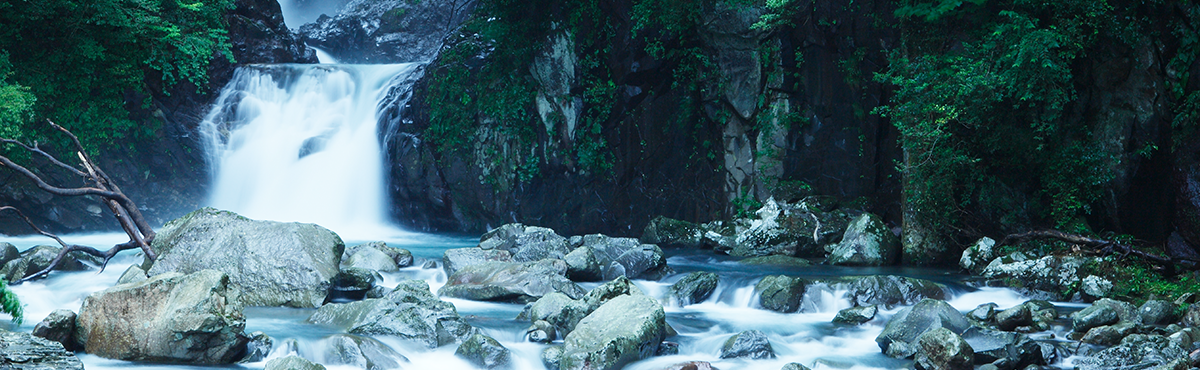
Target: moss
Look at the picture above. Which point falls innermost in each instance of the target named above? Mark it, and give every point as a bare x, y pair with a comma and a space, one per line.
1136, 281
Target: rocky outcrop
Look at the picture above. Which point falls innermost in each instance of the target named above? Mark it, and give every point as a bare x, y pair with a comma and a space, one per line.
625, 257
889, 290
900, 336
272, 263
624, 329
410, 311
867, 242
170, 317
781, 293
668, 232
1049, 275
1135, 351
509, 281
21, 351
386, 32
800, 229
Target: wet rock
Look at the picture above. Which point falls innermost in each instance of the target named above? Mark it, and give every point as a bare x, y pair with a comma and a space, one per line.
8, 252
667, 348
542, 331
942, 349
625, 329
271, 263
388, 31
21, 351
891, 290
691, 365
749, 344
400, 256
429, 265
361, 352
352, 284
781, 293
672, 233
558, 310
1157, 312
1108, 335
1012, 349
777, 260
455, 259
38, 258
170, 317
856, 315
1093, 316
582, 265
410, 311
258, 347
508, 281
867, 242
794, 366
1136, 351
627, 257
983, 313
552, 357
59, 326
617, 287
789, 229
899, 336
526, 243
1094, 287
484, 352
694, 288
1050, 274
292, 362
1014, 317
132, 274
978, 255
369, 259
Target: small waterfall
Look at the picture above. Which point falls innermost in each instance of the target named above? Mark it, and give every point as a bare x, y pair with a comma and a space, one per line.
300, 143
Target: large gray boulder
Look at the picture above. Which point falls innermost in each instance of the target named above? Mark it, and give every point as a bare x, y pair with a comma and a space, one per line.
369, 258
526, 243
1137, 351
942, 349
791, 229
386, 31
900, 335
1103, 312
171, 317
272, 263
510, 281
361, 353
856, 315
400, 256
59, 326
1015, 349
1050, 274
867, 242
292, 362
558, 310
21, 351
582, 265
624, 329
457, 258
751, 344
626, 257
670, 232
781, 293
978, 255
694, 288
410, 311
889, 290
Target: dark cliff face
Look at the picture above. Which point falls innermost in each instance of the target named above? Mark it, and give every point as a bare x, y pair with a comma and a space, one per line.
391, 31
167, 176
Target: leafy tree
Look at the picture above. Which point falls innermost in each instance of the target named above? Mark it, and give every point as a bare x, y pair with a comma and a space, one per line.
10, 305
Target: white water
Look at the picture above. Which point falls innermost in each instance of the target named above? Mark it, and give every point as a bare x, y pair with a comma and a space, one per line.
300, 143
298, 12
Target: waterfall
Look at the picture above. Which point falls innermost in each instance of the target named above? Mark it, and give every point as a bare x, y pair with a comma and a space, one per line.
300, 143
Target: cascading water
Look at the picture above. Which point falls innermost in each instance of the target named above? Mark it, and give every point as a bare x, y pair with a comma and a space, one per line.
300, 143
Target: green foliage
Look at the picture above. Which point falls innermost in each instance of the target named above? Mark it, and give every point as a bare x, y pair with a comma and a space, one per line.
931, 10
86, 62
16, 103
10, 304
779, 13
1135, 281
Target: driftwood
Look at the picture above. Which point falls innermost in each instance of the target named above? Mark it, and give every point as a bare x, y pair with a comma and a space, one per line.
96, 183
1103, 247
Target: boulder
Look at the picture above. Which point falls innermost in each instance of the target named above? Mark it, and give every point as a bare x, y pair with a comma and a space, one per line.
272, 263
58, 327
552, 357
292, 362
132, 274
899, 336
607, 291
942, 349
455, 259
691, 365
1136, 351
626, 257
258, 347
22, 351
171, 317
1051, 274
867, 242
582, 265
369, 259
541, 332
1013, 317
385, 32
781, 293
856, 315
794, 366
749, 344
8, 252
669, 232
361, 353
509, 281
624, 329
777, 260
889, 290
352, 284
694, 288
1108, 335
983, 313
526, 243
978, 255
558, 310
484, 351
1103, 312
1157, 312
410, 311
38, 258
1015, 349
400, 256
1094, 287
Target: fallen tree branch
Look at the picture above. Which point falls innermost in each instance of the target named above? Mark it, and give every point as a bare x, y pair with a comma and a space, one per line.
105, 256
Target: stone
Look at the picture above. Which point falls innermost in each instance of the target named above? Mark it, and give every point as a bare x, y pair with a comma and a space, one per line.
781, 293
370, 259
8, 252
1136, 351
890, 290
669, 232
22, 351
748, 344
38, 258
484, 351
292, 362
509, 281
691, 365
361, 352
258, 347
385, 32
552, 357
983, 313
352, 284
978, 255
171, 317
1157, 312
1050, 274
132, 274
558, 310
942, 349
856, 315
400, 256
410, 312
607, 291
794, 366
455, 259
59, 326
1014, 317
542, 332
694, 288
777, 260
1015, 350
867, 242
624, 329
271, 263
1094, 287
582, 265
627, 257
1108, 335
1093, 316
899, 336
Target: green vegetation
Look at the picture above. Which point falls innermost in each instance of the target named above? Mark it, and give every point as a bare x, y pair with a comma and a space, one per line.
10, 305
89, 62
1135, 281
